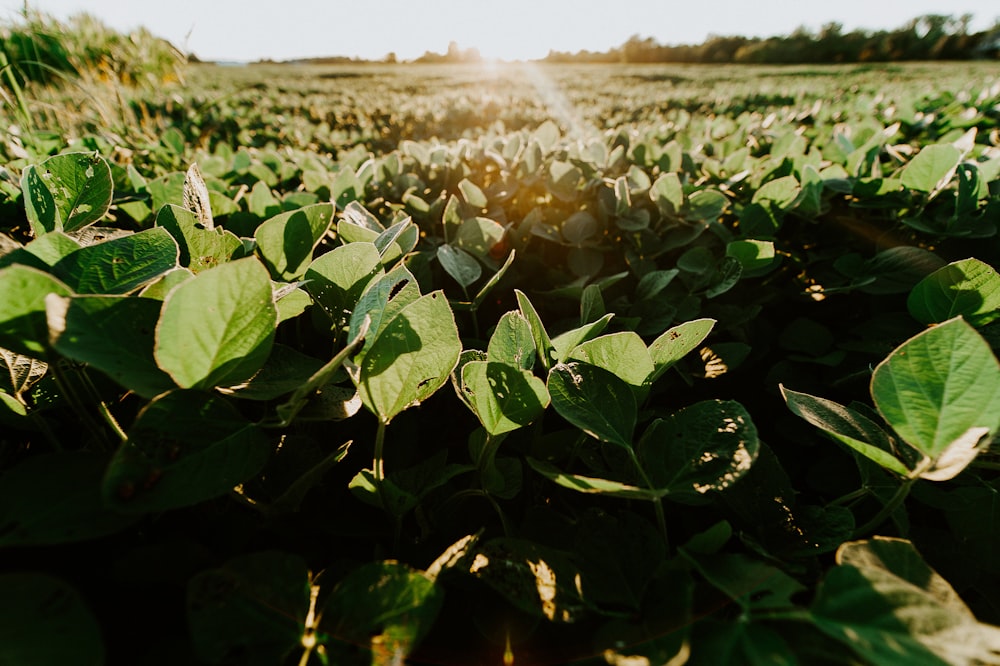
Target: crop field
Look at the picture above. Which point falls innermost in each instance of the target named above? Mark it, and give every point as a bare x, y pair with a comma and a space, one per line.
501, 364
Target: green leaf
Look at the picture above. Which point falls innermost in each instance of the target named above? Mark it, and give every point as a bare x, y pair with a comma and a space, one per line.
381, 301
67, 192
200, 248
504, 398
411, 357
217, 328
623, 354
23, 327
676, 343
286, 241
381, 609
594, 400
478, 236
538, 580
252, 609
543, 344
52, 247
120, 265
459, 264
931, 168
706, 205
890, 608
512, 342
56, 498
594, 485
472, 194
36, 608
706, 447
338, 278
848, 427
185, 447
668, 194
753, 255
780, 193
969, 288
940, 390
114, 334
565, 343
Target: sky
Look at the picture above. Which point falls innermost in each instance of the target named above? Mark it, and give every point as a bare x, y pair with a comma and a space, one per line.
247, 30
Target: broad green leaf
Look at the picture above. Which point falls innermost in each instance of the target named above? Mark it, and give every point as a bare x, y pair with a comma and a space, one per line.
579, 227
39, 204
847, 426
750, 582
45, 621
347, 188
543, 344
594, 400
706, 447
67, 192
780, 192
593, 485
940, 389
472, 194
382, 299
113, 334
536, 579
254, 604
185, 447
381, 610
411, 357
969, 288
753, 255
52, 247
459, 264
159, 289
217, 328
338, 278
286, 241
623, 354
676, 343
119, 265
931, 167
706, 205
397, 241
504, 398
565, 343
23, 327
478, 236
56, 498
512, 342
668, 194
895, 612
653, 283
201, 248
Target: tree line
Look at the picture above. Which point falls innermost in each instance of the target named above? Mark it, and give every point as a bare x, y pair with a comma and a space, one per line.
927, 37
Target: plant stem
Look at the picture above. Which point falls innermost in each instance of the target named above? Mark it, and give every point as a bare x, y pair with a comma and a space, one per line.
661, 519
888, 509
378, 465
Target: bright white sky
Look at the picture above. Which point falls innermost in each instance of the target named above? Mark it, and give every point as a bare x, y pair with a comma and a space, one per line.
243, 30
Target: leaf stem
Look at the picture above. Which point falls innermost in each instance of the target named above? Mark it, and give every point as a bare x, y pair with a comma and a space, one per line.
661, 519
378, 465
888, 508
